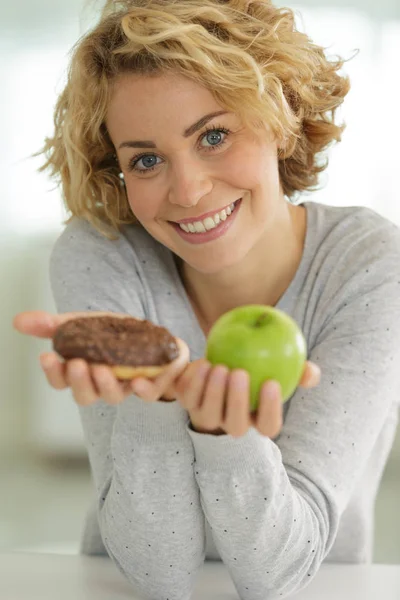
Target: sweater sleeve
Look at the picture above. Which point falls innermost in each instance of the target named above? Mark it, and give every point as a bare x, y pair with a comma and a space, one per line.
274, 508
141, 457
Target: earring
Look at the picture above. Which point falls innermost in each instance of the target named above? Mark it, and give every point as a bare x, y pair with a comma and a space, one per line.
122, 180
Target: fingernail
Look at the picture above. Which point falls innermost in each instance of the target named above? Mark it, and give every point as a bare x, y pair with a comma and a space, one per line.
273, 389
77, 370
46, 362
139, 387
203, 369
49, 322
136, 387
241, 379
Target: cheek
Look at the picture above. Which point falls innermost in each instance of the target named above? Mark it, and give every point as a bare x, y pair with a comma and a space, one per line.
255, 167
143, 202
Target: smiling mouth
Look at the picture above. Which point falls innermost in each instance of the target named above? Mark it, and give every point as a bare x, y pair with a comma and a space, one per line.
210, 222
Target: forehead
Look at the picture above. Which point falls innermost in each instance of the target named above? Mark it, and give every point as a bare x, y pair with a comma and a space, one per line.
147, 107
140, 94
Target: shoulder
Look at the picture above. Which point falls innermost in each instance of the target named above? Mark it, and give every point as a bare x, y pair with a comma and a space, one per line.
83, 256
351, 225
79, 235
89, 271
354, 240
354, 266
81, 242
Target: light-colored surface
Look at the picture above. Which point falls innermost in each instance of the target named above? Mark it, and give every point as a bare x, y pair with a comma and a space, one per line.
43, 505
46, 577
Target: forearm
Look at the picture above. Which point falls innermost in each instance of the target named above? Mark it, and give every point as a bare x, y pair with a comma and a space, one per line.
149, 511
271, 538
141, 457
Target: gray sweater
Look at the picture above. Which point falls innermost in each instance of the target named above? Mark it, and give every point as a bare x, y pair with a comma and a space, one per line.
167, 497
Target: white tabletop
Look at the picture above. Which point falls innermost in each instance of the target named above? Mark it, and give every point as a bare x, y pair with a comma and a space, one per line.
25, 576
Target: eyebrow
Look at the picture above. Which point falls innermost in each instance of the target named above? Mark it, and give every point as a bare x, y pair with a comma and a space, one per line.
187, 133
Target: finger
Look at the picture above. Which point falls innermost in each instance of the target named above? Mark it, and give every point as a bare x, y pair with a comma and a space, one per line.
35, 322
211, 403
268, 419
167, 378
54, 370
237, 417
126, 386
79, 379
190, 385
311, 375
43, 324
109, 388
152, 390
145, 389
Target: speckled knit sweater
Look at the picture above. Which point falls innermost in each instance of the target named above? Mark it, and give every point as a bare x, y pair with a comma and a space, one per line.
167, 497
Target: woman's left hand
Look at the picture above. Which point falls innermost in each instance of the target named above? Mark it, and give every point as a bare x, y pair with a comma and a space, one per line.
217, 399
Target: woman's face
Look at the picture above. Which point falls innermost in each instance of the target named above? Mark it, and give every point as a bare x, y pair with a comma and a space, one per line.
182, 164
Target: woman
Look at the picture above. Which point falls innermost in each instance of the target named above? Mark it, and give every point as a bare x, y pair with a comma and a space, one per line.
183, 134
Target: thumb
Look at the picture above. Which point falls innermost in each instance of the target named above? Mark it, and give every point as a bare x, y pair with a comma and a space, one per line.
35, 322
43, 324
181, 364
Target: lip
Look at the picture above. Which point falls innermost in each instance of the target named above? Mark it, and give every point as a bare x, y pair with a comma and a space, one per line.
204, 216
212, 234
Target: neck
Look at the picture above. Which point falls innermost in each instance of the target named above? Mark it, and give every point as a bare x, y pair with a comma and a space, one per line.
262, 277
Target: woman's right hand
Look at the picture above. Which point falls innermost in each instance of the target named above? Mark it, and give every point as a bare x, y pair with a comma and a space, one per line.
89, 383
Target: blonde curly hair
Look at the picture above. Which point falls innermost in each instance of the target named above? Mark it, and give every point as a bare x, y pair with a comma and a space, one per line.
248, 53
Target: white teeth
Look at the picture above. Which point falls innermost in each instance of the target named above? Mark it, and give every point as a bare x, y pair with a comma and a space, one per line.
199, 227
209, 222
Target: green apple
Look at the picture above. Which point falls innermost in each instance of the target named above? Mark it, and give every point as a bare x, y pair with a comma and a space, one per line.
264, 341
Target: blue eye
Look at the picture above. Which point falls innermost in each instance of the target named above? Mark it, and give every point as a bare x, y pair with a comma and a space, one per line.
149, 161
213, 136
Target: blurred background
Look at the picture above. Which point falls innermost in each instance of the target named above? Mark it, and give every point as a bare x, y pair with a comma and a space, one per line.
44, 469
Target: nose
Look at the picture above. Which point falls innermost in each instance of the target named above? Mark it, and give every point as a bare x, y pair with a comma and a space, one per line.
189, 183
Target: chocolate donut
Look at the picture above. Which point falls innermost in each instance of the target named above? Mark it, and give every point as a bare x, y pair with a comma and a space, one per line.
131, 347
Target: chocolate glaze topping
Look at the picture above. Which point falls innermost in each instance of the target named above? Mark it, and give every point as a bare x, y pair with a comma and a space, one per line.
115, 341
